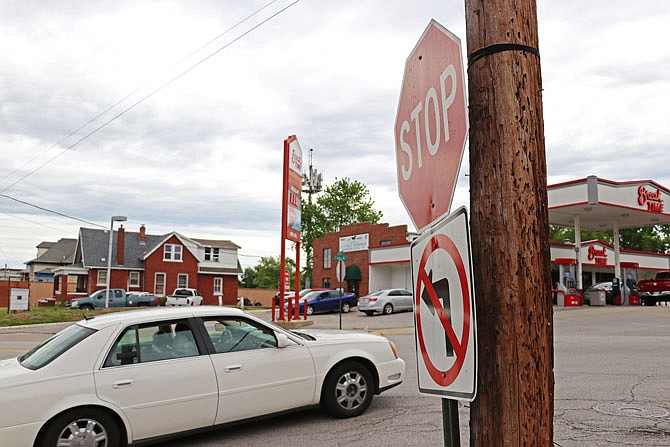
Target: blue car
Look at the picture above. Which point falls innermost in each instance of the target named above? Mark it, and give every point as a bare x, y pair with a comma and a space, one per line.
322, 301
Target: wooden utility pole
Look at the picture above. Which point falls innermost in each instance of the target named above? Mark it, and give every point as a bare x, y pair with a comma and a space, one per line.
510, 229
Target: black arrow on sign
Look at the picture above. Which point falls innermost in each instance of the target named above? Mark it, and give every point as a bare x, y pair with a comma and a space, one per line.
441, 288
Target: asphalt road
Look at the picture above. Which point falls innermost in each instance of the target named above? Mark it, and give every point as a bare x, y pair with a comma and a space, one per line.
611, 373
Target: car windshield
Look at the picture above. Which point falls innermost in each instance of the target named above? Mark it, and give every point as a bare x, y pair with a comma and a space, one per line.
47, 351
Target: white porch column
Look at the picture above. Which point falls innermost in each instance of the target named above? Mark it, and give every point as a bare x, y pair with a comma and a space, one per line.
578, 249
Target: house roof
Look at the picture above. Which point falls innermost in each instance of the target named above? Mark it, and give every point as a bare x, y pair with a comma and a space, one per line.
217, 244
94, 245
59, 253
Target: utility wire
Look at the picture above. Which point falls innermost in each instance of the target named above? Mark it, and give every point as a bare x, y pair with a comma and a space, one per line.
142, 87
150, 94
50, 211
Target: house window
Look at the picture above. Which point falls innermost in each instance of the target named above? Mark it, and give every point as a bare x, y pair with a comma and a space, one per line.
218, 286
102, 277
159, 284
182, 280
211, 254
172, 252
133, 279
327, 258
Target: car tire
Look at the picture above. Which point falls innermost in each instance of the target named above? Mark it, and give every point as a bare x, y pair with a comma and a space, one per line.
86, 307
348, 390
369, 313
91, 422
310, 310
346, 307
388, 309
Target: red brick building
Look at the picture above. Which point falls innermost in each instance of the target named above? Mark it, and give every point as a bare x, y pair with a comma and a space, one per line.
355, 241
153, 263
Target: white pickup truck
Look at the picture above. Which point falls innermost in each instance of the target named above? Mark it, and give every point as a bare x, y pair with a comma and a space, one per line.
184, 297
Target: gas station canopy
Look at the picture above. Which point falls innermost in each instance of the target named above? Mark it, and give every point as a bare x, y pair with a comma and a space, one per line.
597, 204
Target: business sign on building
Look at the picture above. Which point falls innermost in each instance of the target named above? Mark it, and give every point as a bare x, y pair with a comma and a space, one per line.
293, 188
357, 242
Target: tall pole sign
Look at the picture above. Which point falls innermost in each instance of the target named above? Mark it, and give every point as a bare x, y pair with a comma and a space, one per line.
430, 132
291, 214
510, 227
431, 125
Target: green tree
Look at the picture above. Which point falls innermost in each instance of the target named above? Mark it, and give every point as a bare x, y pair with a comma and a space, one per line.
343, 203
248, 278
267, 272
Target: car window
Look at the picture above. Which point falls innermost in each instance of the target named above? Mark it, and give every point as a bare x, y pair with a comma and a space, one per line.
152, 342
52, 348
232, 334
405, 293
394, 293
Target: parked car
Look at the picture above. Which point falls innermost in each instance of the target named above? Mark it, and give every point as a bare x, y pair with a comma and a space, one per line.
184, 297
125, 377
117, 298
320, 301
655, 290
386, 302
246, 302
287, 295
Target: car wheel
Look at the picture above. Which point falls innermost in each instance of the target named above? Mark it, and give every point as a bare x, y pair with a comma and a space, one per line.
348, 390
86, 307
346, 307
82, 427
369, 313
388, 309
310, 310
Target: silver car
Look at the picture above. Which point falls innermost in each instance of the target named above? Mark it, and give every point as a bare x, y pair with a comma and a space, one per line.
386, 301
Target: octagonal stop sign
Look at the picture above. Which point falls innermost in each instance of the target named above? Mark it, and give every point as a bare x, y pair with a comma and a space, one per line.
431, 125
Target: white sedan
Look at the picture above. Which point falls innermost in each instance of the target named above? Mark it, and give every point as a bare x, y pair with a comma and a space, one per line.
125, 377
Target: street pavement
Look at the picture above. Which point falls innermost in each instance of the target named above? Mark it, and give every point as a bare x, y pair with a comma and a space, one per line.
611, 386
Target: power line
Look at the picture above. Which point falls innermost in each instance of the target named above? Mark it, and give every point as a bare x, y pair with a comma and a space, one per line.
149, 95
142, 87
50, 210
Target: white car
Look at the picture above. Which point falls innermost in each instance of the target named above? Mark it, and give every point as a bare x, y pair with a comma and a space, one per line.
386, 301
129, 376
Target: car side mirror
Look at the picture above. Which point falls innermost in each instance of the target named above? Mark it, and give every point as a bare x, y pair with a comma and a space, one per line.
282, 340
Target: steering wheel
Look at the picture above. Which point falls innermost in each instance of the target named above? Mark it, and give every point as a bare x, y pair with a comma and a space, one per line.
226, 339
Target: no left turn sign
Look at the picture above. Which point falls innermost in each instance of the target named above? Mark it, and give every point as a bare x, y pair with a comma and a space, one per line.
444, 309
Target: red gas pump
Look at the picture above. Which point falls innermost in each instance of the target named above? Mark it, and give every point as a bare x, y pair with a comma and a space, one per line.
566, 292
629, 289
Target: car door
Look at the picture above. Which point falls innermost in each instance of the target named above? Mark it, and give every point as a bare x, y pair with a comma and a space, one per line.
405, 299
256, 377
160, 378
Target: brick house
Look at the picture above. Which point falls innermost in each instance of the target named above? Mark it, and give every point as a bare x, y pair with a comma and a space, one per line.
153, 263
357, 241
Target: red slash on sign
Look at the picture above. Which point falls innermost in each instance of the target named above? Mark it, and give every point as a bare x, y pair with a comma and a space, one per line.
424, 284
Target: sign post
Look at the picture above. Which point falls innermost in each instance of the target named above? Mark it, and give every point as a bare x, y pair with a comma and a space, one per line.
430, 133
341, 269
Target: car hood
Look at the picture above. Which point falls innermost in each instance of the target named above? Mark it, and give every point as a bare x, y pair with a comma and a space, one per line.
335, 336
11, 368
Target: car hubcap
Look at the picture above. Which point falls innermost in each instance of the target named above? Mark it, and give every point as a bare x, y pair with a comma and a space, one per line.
83, 433
351, 390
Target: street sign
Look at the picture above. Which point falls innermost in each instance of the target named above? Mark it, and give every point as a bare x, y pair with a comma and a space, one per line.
340, 256
444, 309
431, 125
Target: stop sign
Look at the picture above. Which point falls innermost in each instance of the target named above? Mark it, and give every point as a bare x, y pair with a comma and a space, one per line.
431, 125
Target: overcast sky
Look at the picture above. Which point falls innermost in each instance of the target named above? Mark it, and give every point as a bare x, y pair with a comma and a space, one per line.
202, 155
